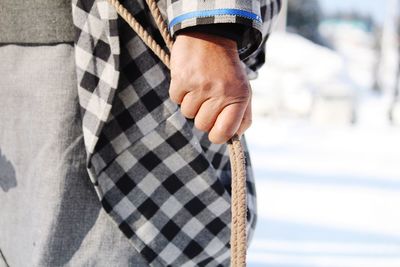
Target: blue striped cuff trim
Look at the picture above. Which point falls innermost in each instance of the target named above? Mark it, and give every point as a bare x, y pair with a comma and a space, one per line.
214, 12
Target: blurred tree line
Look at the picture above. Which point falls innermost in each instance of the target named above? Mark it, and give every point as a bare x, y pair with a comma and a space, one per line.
396, 91
303, 18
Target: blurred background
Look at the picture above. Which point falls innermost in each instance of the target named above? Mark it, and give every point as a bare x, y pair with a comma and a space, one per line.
325, 140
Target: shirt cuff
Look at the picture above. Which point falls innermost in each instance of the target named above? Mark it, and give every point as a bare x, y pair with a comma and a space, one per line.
185, 14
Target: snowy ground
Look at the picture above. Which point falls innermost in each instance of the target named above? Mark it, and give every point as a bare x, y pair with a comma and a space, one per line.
328, 190
329, 196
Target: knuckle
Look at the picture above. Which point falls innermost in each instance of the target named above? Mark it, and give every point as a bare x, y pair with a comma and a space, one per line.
177, 78
202, 125
224, 135
202, 80
187, 111
176, 75
234, 93
244, 95
222, 85
220, 82
189, 105
218, 139
174, 97
247, 122
175, 93
215, 140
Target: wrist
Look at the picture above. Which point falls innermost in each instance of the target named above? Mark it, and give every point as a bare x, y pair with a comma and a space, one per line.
211, 39
231, 31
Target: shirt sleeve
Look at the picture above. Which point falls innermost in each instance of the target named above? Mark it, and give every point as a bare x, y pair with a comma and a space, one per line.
255, 16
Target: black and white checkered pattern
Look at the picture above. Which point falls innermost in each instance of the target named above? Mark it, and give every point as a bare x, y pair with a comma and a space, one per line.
177, 8
164, 184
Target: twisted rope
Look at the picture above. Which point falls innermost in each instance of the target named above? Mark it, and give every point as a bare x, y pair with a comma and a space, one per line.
239, 206
141, 32
162, 26
236, 154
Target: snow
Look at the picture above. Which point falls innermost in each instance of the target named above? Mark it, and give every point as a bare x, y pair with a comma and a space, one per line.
296, 74
336, 186
328, 191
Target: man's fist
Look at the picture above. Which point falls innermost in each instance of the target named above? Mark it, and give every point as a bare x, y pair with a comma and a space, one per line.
210, 84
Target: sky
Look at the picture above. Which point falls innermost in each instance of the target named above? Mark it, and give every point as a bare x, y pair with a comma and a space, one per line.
377, 8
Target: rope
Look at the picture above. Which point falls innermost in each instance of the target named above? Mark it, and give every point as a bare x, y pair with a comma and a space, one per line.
141, 32
239, 206
162, 27
236, 154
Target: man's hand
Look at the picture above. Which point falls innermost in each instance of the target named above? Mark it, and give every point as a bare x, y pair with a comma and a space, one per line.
210, 84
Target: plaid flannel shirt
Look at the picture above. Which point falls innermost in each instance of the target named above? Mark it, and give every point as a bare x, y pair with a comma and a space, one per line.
160, 180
